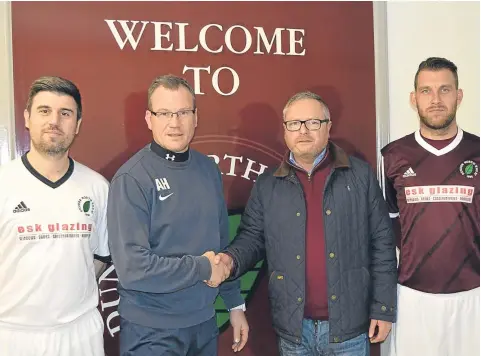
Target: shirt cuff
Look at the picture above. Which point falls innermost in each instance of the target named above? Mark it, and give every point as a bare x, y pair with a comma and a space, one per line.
239, 307
204, 267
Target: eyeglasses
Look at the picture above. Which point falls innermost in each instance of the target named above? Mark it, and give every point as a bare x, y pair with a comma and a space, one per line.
181, 114
311, 124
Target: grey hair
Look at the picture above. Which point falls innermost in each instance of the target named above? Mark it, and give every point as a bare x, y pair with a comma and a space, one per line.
307, 95
172, 82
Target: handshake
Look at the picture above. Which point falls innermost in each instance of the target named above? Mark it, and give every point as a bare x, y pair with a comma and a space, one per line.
221, 265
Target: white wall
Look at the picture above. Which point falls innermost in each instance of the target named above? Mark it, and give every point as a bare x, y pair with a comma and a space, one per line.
6, 85
418, 30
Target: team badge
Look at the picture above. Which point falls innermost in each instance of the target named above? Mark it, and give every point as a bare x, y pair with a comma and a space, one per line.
86, 206
469, 169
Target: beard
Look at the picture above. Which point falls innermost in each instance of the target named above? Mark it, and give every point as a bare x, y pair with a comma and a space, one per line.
53, 147
437, 124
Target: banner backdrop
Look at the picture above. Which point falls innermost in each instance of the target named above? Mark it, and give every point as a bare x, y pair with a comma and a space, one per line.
244, 59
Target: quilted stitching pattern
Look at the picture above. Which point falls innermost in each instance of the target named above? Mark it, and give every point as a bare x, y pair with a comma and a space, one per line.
362, 276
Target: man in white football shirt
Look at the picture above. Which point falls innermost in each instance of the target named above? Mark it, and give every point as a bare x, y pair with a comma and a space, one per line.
53, 234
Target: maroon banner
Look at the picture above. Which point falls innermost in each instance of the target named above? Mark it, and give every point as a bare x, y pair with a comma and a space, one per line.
243, 59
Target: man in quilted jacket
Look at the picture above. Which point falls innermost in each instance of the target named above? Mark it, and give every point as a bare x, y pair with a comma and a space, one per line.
322, 223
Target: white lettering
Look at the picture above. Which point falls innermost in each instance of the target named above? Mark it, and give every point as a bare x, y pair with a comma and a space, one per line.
233, 160
162, 184
261, 37
159, 35
105, 277
111, 304
106, 273
165, 183
233, 163
182, 47
163, 41
437, 193
215, 158
228, 42
215, 81
127, 31
293, 42
203, 40
196, 70
249, 169
116, 329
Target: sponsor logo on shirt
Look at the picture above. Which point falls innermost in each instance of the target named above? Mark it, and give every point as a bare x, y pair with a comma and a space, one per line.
39, 232
21, 208
469, 169
86, 206
409, 173
439, 193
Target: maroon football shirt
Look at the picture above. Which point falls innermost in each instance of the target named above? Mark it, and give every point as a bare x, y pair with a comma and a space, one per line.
435, 194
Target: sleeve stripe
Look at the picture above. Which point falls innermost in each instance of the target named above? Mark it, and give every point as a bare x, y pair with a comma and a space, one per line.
393, 215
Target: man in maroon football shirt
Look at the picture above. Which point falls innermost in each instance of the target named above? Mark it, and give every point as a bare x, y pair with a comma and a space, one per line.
431, 184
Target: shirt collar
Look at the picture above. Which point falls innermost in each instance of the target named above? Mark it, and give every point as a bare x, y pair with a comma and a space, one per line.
169, 155
318, 159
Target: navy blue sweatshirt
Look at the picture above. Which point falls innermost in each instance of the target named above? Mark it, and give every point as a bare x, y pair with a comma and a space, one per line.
162, 216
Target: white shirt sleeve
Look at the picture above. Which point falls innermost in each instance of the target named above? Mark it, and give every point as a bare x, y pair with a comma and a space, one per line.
100, 243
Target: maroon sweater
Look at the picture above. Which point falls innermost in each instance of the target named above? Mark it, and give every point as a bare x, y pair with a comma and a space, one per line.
316, 301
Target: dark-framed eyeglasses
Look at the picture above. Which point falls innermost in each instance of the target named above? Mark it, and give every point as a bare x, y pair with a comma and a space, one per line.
181, 114
311, 124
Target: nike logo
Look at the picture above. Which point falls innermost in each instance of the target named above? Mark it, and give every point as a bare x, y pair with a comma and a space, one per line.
161, 198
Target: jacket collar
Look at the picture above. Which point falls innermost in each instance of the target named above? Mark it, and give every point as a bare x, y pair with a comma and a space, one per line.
340, 159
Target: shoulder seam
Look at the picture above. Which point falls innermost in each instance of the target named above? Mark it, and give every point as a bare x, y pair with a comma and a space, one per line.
132, 166
136, 181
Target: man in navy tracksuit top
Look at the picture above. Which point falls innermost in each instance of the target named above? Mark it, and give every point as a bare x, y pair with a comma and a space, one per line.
167, 218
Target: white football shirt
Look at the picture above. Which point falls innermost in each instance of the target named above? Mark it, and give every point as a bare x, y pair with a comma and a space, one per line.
49, 233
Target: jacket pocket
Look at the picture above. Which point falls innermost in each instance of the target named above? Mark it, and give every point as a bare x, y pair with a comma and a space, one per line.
357, 288
277, 298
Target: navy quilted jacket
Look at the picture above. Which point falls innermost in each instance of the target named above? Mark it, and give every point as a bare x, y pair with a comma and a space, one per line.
360, 247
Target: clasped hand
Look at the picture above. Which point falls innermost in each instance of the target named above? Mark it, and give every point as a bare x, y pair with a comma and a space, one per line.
221, 265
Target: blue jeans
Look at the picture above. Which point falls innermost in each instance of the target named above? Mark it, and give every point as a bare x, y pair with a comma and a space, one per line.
197, 340
315, 342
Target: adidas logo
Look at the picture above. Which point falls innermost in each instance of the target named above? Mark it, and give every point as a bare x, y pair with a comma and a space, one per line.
21, 208
409, 173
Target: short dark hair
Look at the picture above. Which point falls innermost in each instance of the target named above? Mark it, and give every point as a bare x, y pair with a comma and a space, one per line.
171, 82
55, 85
437, 63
